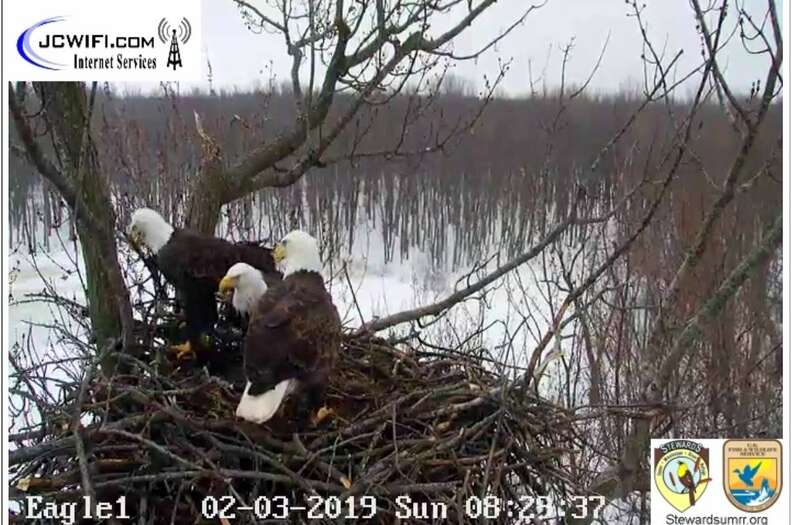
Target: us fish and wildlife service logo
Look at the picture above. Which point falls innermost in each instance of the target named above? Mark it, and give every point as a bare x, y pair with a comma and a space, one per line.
681, 472
752, 473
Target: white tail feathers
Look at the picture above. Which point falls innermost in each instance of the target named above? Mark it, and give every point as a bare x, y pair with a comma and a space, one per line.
260, 409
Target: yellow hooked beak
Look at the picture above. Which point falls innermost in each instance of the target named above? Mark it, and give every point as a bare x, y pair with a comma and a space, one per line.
227, 287
278, 252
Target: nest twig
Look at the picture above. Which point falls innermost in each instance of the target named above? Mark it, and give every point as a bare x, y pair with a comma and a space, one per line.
431, 426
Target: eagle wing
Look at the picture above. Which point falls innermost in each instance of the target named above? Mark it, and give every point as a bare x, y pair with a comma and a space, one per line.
179, 261
294, 331
260, 258
206, 257
211, 257
195, 264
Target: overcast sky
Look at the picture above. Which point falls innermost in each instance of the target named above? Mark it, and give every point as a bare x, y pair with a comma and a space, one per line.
241, 59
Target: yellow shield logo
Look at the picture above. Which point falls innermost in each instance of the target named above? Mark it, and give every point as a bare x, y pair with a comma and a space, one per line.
681, 472
752, 473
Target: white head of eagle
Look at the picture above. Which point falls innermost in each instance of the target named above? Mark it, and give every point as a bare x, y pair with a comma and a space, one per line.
247, 285
149, 228
297, 252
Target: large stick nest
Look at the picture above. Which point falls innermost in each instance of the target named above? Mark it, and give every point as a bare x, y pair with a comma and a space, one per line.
430, 424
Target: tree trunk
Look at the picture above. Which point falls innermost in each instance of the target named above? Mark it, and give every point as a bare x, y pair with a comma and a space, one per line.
207, 196
204, 205
68, 116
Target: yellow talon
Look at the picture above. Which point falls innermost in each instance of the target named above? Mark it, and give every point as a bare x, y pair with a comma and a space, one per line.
182, 351
321, 414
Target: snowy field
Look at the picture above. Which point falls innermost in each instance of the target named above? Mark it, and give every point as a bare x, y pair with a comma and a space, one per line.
373, 289
507, 320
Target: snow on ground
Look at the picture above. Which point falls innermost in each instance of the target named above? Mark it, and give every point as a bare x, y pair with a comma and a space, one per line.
36, 274
514, 310
373, 288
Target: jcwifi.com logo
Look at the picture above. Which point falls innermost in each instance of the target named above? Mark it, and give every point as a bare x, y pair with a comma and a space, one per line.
41, 42
84, 40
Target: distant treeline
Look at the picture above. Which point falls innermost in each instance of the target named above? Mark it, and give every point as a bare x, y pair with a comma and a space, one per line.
504, 174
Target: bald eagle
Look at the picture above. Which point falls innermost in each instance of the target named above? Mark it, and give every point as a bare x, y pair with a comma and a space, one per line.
245, 285
194, 264
293, 334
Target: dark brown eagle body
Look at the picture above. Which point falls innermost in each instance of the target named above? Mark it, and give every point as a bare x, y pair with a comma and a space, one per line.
194, 264
293, 333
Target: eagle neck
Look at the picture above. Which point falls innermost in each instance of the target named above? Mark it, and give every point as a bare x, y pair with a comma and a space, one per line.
246, 297
159, 236
310, 273
303, 264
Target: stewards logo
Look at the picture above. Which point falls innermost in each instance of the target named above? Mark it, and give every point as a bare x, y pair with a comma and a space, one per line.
681, 472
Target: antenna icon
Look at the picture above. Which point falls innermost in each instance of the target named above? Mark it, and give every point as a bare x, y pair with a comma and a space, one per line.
181, 33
